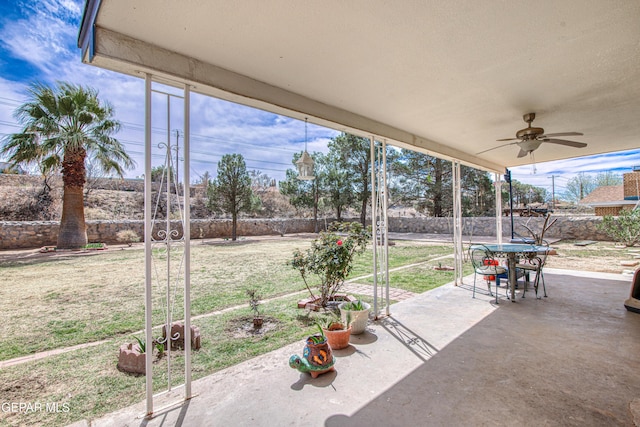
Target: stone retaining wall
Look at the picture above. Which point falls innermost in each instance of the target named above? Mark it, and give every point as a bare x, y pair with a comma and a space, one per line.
34, 234
569, 228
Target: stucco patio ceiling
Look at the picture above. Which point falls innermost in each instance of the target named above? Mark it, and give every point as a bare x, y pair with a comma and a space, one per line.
449, 77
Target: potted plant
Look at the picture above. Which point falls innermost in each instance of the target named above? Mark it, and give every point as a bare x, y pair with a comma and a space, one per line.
330, 259
131, 357
316, 356
337, 332
358, 314
254, 303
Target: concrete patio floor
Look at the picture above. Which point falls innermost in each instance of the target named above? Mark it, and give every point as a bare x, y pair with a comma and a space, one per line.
445, 359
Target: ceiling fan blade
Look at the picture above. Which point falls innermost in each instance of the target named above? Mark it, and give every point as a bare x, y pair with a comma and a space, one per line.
561, 134
565, 142
522, 153
508, 139
499, 146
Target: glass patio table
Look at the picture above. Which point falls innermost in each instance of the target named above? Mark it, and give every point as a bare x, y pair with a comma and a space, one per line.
512, 252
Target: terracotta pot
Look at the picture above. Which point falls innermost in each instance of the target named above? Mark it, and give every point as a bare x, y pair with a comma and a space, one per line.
257, 322
337, 336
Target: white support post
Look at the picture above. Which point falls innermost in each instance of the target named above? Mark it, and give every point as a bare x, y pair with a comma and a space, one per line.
168, 241
186, 226
457, 223
498, 189
385, 221
147, 244
379, 222
374, 210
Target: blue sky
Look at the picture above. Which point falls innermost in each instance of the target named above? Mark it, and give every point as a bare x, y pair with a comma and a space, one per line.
38, 42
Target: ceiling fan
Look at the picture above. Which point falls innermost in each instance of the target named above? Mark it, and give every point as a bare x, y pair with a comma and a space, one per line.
530, 138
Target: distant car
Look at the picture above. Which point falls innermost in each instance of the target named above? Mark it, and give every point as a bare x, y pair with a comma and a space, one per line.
528, 211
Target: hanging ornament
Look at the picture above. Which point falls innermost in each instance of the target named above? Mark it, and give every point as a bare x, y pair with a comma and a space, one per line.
305, 162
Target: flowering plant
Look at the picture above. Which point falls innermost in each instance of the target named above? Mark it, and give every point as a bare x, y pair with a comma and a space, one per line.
330, 258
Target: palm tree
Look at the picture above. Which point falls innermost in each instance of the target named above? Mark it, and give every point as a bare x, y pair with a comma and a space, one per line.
62, 126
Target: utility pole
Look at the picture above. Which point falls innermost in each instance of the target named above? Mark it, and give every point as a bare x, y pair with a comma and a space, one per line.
553, 191
177, 154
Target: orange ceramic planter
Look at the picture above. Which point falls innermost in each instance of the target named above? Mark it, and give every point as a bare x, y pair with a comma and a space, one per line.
338, 338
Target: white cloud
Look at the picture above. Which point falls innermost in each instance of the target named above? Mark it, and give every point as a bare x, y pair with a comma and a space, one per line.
561, 171
45, 37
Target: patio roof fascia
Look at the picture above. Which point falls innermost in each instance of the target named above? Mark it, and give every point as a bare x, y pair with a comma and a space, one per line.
86, 35
117, 52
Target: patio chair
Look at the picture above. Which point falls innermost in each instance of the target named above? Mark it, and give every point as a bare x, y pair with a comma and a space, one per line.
485, 264
535, 264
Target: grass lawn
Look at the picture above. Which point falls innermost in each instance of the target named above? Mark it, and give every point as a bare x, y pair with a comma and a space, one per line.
59, 302
88, 381
420, 278
62, 301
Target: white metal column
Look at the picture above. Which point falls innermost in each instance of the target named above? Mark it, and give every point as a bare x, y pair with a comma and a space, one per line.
457, 224
148, 279
379, 223
498, 189
186, 226
167, 248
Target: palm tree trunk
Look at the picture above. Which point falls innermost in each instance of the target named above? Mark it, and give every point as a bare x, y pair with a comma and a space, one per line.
73, 231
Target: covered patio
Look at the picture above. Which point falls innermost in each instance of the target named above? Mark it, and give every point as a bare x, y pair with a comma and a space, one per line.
445, 359
446, 80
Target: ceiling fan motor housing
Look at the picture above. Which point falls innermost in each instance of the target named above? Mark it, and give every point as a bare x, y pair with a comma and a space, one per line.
529, 133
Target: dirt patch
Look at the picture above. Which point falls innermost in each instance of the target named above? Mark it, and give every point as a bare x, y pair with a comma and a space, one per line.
243, 327
13, 390
600, 257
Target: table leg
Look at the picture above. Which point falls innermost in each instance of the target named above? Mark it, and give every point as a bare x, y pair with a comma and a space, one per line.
511, 264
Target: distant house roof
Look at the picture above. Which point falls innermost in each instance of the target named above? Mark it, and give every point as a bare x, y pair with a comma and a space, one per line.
608, 195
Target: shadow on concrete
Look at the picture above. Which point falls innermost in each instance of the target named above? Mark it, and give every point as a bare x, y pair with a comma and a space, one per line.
344, 352
324, 380
367, 337
570, 360
415, 343
163, 415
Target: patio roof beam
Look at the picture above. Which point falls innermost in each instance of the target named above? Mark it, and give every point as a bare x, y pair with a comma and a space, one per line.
118, 52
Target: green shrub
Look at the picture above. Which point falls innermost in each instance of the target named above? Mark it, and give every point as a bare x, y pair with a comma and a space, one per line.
127, 236
330, 258
625, 228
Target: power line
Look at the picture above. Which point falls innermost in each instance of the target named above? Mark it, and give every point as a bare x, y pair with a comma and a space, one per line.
159, 130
